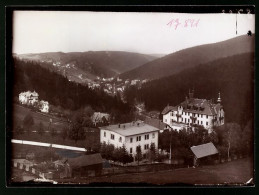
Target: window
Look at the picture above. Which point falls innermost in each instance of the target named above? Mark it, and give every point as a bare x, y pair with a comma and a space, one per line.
201, 122
137, 148
198, 122
104, 134
172, 120
131, 140
112, 136
120, 139
130, 150
153, 135
165, 120
207, 123
146, 146
138, 138
146, 136
185, 120
207, 116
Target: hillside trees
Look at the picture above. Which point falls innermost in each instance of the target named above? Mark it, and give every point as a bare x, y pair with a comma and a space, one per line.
58, 91
232, 76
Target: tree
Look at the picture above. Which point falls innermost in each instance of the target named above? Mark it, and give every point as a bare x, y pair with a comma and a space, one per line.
88, 111
124, 155
248, 138
152, 152
28, 121
139, 154
230, 137
77, 131
40, 129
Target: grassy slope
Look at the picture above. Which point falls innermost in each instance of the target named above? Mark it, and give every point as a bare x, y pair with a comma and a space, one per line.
19, 112
235, 172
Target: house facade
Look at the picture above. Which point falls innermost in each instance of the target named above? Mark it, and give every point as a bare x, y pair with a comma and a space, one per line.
28, 97
100, 118
44, 106
131, 135
194, 111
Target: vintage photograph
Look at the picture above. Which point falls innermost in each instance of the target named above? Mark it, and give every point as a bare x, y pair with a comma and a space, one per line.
103, 98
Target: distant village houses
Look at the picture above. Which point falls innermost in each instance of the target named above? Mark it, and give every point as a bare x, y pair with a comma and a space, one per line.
194, 111
131, 135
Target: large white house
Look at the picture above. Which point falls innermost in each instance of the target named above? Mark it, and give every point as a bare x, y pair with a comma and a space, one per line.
28, 97
130, 135
194, 111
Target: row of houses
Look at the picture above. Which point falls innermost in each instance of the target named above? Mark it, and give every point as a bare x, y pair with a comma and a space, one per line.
32, 98
82, 166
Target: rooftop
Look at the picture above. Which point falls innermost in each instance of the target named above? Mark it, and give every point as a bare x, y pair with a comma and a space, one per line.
204, 150
156, 123
85, 160
133, 128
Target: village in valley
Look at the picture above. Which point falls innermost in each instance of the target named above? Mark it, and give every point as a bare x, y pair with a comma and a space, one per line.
163, 121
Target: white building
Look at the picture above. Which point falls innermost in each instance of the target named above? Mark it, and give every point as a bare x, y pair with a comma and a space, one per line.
28, 97
99, 117
131, 135
194, 111
44, 106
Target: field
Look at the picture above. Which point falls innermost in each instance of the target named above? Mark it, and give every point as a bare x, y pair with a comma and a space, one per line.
59, 125
235, 173
19, 112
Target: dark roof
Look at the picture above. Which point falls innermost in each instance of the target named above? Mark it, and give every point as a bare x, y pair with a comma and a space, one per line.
204, 150
168, 109
85, 160
156, 123
195, 105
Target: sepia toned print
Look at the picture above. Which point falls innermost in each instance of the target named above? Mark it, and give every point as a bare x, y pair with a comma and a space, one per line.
132, 98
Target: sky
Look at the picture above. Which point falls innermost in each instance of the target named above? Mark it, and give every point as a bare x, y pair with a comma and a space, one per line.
149, 32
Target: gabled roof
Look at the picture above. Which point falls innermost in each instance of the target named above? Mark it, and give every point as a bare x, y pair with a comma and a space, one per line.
204, 150
202, 106
85, 160
156, 123
168, 109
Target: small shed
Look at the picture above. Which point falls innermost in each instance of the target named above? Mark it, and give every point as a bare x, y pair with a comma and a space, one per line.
86, 165
203, 152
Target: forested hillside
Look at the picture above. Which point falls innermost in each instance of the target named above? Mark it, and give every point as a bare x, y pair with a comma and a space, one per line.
58, 91
231, 76
191, 57
96, 63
